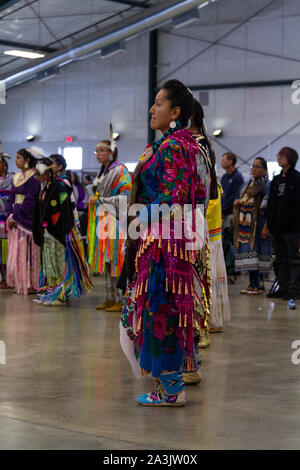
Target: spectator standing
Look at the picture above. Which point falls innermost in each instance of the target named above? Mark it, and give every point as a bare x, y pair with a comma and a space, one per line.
231, 182
252, 247
283, 221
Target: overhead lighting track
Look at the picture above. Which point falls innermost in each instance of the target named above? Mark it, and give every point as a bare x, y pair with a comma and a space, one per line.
27, 47
142, 22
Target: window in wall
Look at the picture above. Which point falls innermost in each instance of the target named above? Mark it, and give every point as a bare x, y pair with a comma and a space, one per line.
130, 166
73, 156
273, 169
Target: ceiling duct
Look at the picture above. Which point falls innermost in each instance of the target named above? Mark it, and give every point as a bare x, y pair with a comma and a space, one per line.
151, 19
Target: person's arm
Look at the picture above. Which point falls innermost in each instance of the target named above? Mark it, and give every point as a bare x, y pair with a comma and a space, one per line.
120, 188
294, 202
232, 191
237, 185
24, 212
269, 205
9, 209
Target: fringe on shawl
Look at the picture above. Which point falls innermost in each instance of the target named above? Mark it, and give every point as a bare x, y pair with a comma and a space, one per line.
75, 280
219, 310
107, 246
3, 250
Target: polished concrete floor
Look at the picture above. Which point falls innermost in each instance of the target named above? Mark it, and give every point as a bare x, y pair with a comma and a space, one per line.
67, 385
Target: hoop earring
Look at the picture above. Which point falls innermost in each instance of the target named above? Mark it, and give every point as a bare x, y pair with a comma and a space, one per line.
111, 158
172, 124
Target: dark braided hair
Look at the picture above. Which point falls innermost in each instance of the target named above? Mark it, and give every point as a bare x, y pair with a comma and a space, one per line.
27, 156
3, 160
59, 160
197, 119
180, 96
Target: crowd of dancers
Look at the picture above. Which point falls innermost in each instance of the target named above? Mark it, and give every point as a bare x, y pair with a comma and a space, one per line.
171, 290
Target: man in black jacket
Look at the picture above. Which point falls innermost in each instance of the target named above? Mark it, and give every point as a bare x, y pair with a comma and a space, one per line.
283, 221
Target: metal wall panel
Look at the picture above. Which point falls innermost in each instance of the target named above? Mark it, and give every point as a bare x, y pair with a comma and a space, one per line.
81, 102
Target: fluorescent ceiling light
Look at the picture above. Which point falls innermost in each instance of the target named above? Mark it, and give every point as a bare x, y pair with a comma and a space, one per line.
24, 54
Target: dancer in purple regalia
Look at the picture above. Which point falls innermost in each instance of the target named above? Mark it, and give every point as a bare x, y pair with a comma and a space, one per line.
23, 253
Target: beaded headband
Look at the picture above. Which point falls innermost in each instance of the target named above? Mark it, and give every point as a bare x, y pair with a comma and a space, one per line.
105, 146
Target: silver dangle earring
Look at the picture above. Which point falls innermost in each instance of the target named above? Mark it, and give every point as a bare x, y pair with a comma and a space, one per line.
188, 124
26, 165
172, 124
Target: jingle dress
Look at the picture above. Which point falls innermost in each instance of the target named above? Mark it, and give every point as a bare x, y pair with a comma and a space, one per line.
22, 252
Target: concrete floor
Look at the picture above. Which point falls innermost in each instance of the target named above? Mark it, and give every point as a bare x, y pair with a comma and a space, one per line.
67, 385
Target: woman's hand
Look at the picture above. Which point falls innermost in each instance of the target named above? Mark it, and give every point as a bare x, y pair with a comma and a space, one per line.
265, 232
11, 223
237, 203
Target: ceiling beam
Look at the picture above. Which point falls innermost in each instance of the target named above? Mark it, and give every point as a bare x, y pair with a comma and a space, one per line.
124, 31
231, 46
257, 84
214, 43
290, 129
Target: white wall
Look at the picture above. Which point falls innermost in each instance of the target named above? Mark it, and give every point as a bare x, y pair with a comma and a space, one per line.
250, 117
91, 93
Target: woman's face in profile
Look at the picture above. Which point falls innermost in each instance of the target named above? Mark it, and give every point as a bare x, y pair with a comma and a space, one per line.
162, 113
20, 161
